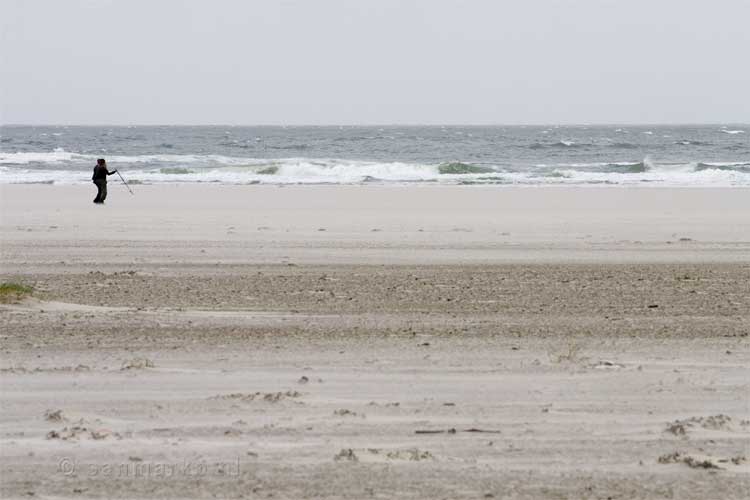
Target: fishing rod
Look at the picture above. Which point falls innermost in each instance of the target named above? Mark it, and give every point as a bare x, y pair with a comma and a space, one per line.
126, 184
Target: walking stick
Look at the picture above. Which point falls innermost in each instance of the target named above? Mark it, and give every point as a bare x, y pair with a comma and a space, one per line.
126, 184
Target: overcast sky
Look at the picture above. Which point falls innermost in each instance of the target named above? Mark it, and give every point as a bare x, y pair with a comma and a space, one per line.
374, 61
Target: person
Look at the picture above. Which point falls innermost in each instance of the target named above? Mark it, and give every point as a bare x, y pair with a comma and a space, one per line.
100, 179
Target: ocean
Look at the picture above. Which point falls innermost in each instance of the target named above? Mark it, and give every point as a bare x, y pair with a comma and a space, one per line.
680, 156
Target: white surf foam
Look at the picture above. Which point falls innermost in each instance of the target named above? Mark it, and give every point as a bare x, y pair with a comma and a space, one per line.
57, 156
60, 167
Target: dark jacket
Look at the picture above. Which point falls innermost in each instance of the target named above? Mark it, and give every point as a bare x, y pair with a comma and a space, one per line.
101, 173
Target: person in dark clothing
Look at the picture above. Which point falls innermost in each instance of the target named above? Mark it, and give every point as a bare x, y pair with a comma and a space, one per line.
100, 179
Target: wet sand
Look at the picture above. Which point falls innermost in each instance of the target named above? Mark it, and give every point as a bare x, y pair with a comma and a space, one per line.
372, 342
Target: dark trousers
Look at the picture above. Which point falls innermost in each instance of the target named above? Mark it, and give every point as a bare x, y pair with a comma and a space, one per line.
101, 193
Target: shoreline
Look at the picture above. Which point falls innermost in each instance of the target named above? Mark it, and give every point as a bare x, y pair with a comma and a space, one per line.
389, 185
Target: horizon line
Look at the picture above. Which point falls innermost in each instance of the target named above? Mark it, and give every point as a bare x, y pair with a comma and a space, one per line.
410, 124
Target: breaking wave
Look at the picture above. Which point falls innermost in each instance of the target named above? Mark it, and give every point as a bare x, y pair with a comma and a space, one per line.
727, 167
458, 168
62, 167
626, 168
175, 170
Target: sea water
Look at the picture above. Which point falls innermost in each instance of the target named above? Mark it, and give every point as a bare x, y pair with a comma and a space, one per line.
684, 156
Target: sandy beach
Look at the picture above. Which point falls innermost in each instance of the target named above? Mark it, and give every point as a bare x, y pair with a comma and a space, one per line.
202, 341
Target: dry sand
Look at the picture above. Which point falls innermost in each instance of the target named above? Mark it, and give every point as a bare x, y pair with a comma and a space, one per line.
376, 342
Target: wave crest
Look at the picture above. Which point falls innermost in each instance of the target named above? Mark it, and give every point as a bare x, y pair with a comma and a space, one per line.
62, 167
726, 167
457, 167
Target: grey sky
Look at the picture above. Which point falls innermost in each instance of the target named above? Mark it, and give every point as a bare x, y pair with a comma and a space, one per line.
374, 61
